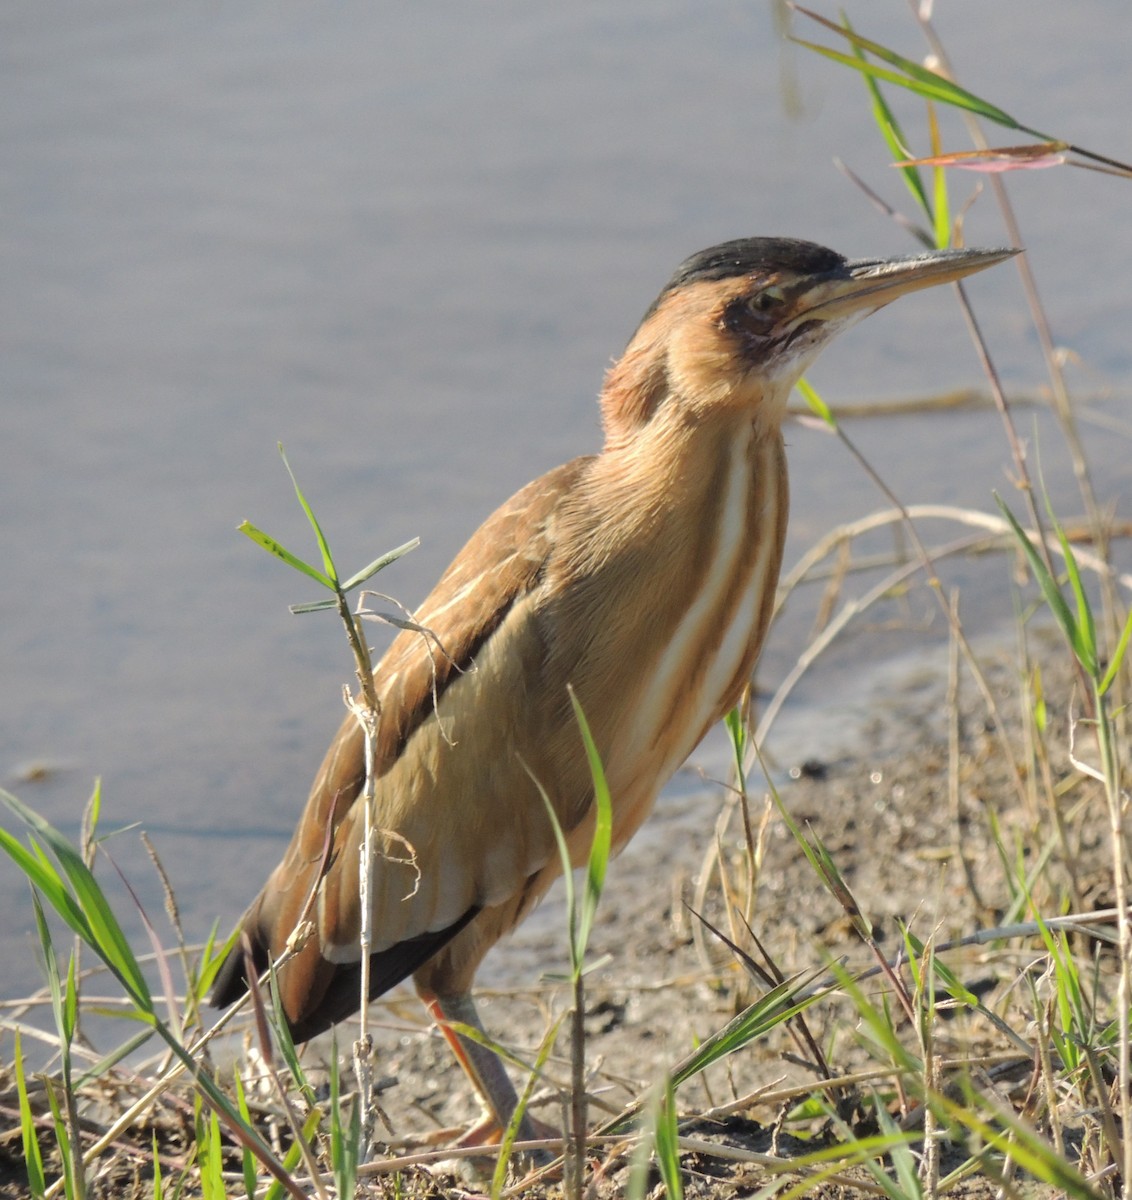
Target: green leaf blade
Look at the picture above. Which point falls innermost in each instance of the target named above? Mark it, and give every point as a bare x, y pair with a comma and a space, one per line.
1117, 657
84, 907
598, 861
33, 1159
323, 545
1045, 581
379, 564
43, 877
815, 403
268, 543
915, 77
893, 134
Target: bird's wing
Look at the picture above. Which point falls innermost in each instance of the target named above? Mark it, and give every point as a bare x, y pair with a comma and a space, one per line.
453, 798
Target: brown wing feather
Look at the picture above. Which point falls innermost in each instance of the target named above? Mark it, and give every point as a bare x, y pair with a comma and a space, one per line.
498, 569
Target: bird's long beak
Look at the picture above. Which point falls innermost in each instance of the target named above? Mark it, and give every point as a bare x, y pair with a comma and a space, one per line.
864, 285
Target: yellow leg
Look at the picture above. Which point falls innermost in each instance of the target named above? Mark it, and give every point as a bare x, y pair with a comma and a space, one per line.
485, 1070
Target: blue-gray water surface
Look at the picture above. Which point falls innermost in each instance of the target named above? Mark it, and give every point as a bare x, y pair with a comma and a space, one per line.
405, 240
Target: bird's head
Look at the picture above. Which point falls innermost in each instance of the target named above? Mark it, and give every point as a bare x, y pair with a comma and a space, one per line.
737, 324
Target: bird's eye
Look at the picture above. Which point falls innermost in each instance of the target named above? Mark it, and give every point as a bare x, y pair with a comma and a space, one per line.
756, 314
767, 300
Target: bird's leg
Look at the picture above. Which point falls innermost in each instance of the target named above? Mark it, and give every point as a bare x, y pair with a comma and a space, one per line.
485, 1070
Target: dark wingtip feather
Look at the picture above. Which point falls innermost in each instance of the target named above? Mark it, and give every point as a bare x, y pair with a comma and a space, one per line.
339, 999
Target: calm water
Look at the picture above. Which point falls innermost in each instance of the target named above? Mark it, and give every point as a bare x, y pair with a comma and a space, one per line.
405, 240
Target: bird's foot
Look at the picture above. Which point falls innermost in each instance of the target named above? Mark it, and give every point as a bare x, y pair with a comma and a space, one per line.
487, 1131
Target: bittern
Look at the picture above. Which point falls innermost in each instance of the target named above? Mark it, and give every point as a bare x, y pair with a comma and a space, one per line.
643, 577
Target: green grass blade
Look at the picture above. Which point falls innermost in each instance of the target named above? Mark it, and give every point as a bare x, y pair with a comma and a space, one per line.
94, 810
111, 943
499, 1176
96, 924
638, 1185
567, 875
71, 1001
816, 404
472, 1034
33, 1160
323, 546
212, 959
941, 221
890, 130
158, 1189
951, 982
1086, 646
598, 862
738, 737
45, 879
286, 1043
299, 610
99, 926
657, 1134
354, 1142
667, 1144
822, 862
834, 1160
768, 1012
245, 1133
1072, 1010
248, 1160
878, 1021
345, 1140
64, 1141
908, 74
901, 1156
1086, 627
102, 1068
1048, 586
906, 1185
379, 564
290, 1159
931, 88
292, 560
1117, 657
211, 1153
60, 1010
1011, 1136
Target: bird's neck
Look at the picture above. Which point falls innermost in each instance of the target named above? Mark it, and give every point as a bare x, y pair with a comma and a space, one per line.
648, 399
679, 455
678, 542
